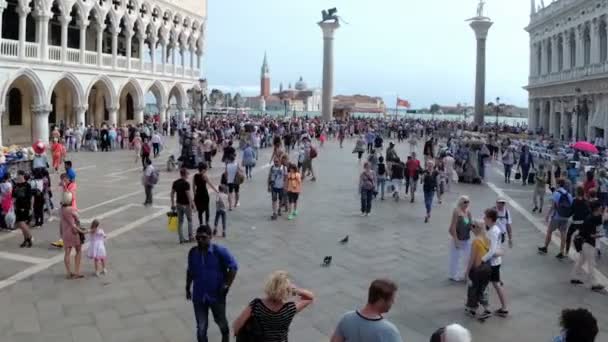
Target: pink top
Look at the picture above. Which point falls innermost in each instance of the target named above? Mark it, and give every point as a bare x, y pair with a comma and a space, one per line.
69, 217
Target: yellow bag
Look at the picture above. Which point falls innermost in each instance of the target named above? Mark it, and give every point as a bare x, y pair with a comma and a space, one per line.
172, 222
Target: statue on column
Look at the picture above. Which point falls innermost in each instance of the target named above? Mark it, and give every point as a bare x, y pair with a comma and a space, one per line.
480, 6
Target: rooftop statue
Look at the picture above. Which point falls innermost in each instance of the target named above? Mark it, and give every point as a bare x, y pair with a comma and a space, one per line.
330, 14
480, 8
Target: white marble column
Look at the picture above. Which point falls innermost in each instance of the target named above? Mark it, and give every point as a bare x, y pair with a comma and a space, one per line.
553, 127
113, 116
128, 39
153, 38
199, 54
23, 11
139, 114
114, 30
532, 59
80, 111
162, 112
543, 57
554, 54
191, 59
182, 113
173, 46
141, 36
531, 115
65, 20
83, 39
163, 45
595, 41
100, 28
42, 22
2, 7
580, 46
329, 29
40, 123
182, 51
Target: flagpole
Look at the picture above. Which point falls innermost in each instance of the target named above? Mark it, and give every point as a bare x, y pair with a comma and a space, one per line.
397, 106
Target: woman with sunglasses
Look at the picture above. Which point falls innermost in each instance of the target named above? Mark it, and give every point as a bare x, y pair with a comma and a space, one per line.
460, 232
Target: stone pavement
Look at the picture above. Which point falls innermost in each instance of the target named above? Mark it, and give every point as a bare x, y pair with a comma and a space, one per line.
142, 297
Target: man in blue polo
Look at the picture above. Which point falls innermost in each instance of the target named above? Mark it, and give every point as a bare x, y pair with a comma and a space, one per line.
211, 268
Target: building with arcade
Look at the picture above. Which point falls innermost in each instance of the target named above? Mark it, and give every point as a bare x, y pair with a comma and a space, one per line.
93, 61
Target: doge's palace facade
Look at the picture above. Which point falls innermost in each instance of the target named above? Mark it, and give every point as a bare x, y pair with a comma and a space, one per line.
93, 61
568, 83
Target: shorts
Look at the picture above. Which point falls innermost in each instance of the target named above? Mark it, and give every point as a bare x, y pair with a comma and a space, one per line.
277, 194
22, 215
306, 165
560, 224
293, 197
233, 188
495, 274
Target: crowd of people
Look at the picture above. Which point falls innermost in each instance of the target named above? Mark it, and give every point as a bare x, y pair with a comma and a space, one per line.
476, 248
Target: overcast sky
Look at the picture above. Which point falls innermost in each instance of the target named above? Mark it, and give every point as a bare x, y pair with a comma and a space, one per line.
422, 50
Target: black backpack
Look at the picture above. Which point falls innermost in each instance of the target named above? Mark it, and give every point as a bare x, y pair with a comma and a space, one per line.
564, 206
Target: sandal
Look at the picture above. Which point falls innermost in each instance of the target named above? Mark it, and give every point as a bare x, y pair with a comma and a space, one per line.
77, 276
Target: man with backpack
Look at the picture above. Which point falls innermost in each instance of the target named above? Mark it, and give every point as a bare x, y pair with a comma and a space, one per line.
558, 218
150, 179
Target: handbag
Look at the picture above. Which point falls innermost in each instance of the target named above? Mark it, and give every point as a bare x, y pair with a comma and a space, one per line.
532, 178
172, 221
517, 175
251, 331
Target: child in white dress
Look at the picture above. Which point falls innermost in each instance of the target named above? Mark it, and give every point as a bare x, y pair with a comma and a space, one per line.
97, 248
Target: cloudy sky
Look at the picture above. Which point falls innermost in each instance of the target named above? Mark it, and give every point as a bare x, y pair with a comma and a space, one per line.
421, 50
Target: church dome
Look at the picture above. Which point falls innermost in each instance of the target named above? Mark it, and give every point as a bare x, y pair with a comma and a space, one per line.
301, 85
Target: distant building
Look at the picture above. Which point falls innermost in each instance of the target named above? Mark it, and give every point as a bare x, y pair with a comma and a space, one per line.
300, 99
348, 105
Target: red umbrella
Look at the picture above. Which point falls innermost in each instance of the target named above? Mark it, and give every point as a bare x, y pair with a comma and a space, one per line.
585, 147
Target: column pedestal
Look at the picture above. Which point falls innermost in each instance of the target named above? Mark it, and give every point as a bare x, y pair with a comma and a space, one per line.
327, 107
40, 123
480, 26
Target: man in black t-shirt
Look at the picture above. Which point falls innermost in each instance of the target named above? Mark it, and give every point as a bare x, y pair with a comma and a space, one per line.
587, 234
22, 195
181, 201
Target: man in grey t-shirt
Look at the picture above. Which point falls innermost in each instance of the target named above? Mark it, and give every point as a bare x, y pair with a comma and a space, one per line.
367, 324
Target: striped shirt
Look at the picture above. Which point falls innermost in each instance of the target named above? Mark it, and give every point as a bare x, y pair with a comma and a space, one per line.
275, 325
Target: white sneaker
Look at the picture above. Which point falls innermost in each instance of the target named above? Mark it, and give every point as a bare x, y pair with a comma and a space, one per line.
104, 271
238, 204
98, 274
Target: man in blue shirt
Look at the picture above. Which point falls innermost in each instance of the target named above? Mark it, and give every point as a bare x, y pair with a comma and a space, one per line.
69, 171
211, 268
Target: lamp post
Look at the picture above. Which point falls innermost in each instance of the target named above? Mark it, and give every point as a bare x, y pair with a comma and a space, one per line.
497, 106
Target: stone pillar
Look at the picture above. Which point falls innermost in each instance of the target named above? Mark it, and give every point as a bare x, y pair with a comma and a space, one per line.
42, 20
23, 11
162, 112
80, 119
182, 52
139, 114
163, 45
481, 27
173, 46
83, 39
532, 59
562, 122
199, 53
191, 57
580, 46
327, 106
595, 41
552, 118
566, 50
115, 30
2, 7
1, 110
100, 28
142, 41
543, 57
554, 54
153, 51
65, 20
113, 114
40, 123
128, 37
181, 113
532, 115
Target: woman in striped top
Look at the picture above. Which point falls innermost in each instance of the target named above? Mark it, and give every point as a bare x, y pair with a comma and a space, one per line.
275, 312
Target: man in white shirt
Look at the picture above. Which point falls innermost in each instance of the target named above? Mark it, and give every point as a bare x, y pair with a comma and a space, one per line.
150, 179
494, 257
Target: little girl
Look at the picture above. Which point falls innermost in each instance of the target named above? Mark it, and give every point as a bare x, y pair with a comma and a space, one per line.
97, 248
220, 209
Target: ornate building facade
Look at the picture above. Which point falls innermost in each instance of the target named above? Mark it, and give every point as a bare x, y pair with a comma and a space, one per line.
93, 61
568, 82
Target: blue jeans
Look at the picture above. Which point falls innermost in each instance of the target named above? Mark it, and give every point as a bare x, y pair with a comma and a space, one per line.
428, 201
184, 210
381, 183
201, 314
366, 200
220, 214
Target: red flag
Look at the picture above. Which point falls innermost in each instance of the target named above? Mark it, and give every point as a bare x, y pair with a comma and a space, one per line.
403, 103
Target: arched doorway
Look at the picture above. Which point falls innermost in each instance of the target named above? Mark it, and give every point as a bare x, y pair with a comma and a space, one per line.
100, 99
21, 96
177, 97
155, 101
130, 109
66, 97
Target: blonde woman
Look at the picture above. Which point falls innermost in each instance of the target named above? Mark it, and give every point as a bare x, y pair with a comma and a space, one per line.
275, 311
460, 232
478, 273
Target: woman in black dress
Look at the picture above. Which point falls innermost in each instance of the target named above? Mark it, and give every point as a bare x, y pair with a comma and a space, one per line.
201, 194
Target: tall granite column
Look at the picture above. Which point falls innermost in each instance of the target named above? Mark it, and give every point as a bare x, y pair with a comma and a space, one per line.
327, 107
480, 25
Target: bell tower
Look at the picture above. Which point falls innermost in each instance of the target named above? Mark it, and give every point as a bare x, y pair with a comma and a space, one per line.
265, 79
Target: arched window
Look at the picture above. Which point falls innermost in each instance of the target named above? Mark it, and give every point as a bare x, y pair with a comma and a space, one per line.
14, 107
130, 109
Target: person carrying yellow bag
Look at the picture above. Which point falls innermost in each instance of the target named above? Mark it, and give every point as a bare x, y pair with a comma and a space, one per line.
172, 221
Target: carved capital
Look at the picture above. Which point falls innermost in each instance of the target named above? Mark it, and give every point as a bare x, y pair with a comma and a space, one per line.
80, 109
65, 20
112, 109
23, 11
44, 109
